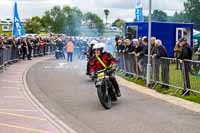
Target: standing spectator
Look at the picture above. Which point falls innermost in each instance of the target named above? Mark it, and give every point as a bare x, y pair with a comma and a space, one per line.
177, 51
143, 54
1, 43
129, 46
153, 47
44, 46
138, 46
139, 60
186, 53
162, 52
30, 48
24, 49
70, 49
119, 48
14, 49
41, 46
19, 47
1, 51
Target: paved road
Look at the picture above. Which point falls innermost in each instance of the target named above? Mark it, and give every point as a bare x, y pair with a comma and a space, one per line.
75, 102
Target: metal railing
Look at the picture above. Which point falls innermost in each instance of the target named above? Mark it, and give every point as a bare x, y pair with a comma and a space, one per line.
10, 54
164, 71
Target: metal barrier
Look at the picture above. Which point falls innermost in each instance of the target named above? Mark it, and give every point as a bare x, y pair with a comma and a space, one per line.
7, 55
1, 57
192, 75
133, 65
12, 53
163, 71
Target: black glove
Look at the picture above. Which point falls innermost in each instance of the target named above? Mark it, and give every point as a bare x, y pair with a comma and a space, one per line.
110, 71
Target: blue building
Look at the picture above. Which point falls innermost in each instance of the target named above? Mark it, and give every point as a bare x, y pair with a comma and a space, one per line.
169, 33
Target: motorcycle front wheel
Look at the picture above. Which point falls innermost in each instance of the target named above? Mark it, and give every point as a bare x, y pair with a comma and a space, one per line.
104, 97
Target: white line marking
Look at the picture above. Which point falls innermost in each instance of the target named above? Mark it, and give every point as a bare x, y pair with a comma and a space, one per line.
23, 116
19, 110
9, 81
10, 87
14, 97
24, 128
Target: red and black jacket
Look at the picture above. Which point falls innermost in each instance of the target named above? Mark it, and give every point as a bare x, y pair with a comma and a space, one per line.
107, 59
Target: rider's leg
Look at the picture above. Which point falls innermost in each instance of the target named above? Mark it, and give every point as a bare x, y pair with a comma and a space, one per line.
116, 86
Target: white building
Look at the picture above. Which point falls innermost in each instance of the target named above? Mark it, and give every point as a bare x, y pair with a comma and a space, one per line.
6, 25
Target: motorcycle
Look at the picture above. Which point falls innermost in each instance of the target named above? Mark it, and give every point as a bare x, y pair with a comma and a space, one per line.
105, 89
59, 54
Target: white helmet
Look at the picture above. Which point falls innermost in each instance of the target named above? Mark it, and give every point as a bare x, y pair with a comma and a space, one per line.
94, 42
99, 46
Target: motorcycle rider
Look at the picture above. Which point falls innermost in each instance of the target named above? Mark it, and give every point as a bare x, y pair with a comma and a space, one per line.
103, 60
90, 53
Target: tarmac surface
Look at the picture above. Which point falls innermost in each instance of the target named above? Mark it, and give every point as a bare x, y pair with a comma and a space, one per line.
64, 89
17, 113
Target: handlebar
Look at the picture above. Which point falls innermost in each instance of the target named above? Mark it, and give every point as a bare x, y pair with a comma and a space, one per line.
100, 71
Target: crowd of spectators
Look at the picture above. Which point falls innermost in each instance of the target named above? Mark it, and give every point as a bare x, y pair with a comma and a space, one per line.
28, 46
138, 48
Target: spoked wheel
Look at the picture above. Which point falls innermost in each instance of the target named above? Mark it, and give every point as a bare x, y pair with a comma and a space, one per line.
104, 97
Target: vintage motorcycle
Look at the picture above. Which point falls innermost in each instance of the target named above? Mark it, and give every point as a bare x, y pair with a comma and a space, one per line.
105, 89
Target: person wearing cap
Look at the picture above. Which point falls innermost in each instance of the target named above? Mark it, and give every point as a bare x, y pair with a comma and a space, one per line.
104, 60
186, 53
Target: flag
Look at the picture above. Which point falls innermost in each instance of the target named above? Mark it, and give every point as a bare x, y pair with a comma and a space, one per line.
18, 29
138, 11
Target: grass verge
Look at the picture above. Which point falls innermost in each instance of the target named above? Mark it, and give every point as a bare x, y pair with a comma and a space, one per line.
194, 97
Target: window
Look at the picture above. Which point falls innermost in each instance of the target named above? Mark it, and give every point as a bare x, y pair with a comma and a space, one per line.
132, 32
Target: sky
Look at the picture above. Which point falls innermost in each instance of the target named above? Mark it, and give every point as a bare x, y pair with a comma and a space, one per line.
123, 9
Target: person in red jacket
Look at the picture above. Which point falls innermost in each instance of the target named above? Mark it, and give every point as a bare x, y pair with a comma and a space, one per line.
103, 60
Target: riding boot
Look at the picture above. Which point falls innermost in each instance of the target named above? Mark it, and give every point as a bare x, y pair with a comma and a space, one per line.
116, 86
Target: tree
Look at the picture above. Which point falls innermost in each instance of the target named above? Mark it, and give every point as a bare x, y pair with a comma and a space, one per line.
66, 20
54, 20
106, 12
179, 17
119, 23
33, 25
94, 22
159, 15
192, 11
73, 20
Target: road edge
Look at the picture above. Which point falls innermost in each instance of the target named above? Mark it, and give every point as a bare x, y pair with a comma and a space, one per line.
195, 107
55, 121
